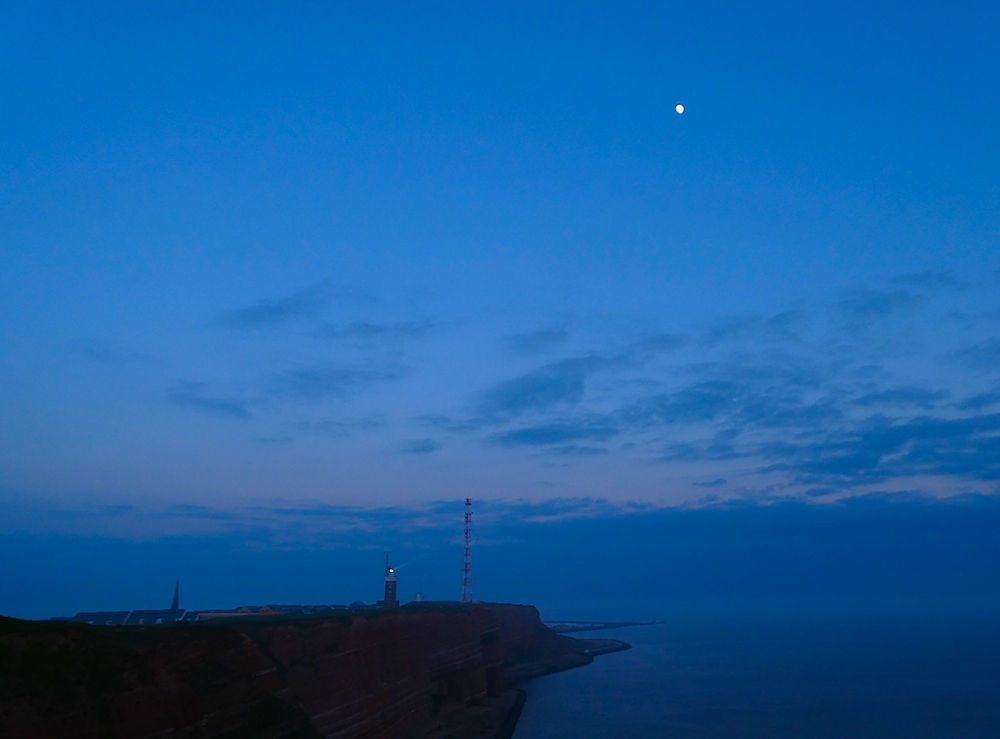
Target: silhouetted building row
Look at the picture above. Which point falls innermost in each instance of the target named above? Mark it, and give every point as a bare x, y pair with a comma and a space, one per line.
176, 614
136, 618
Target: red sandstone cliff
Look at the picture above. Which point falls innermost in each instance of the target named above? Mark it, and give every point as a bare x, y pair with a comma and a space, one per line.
382, 675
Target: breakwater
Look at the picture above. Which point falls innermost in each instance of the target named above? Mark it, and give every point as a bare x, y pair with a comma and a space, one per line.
398, 674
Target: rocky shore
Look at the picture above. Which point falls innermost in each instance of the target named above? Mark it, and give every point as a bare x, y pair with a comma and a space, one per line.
497, 717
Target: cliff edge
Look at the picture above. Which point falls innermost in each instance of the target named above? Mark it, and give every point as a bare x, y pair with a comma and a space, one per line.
401, 674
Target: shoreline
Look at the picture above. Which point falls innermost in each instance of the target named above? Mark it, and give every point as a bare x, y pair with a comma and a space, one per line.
504, 710
597, 647
569, 627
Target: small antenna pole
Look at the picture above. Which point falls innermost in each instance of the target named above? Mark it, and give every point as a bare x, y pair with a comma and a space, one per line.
467, 566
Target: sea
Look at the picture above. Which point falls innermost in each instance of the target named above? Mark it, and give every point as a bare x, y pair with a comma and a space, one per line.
779, 676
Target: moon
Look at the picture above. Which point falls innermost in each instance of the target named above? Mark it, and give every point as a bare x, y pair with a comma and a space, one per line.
679, 108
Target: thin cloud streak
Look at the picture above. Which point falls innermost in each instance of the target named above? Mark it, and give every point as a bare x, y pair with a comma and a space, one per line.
983, 356
363, 330
556, 433
274, 313
302, 304
535, 342
116, 356
321, 381
193, 395
929, 280
420, 446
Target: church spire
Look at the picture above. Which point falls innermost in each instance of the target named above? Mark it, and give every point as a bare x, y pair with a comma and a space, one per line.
176, 604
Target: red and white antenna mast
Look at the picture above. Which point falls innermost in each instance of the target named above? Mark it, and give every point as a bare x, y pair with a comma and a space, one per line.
467, 566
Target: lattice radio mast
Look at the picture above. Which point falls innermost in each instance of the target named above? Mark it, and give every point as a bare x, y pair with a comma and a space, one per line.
467, 566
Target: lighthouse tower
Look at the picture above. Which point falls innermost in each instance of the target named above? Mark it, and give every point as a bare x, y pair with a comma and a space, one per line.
390, 600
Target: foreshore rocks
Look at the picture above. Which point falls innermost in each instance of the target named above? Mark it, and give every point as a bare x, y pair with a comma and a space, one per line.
375, 674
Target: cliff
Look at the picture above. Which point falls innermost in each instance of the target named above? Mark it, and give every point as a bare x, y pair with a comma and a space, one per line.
385, 675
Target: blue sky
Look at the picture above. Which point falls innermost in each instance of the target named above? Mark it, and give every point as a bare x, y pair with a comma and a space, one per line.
328, 257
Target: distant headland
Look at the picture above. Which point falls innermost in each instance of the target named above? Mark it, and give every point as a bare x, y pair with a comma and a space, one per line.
427, 670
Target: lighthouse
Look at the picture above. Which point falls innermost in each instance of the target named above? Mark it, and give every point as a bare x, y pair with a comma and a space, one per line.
390, 600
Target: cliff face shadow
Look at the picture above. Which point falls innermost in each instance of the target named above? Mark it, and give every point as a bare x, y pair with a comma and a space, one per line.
391, 675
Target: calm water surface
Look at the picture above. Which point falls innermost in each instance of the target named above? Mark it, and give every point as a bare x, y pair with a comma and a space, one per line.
780, 677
